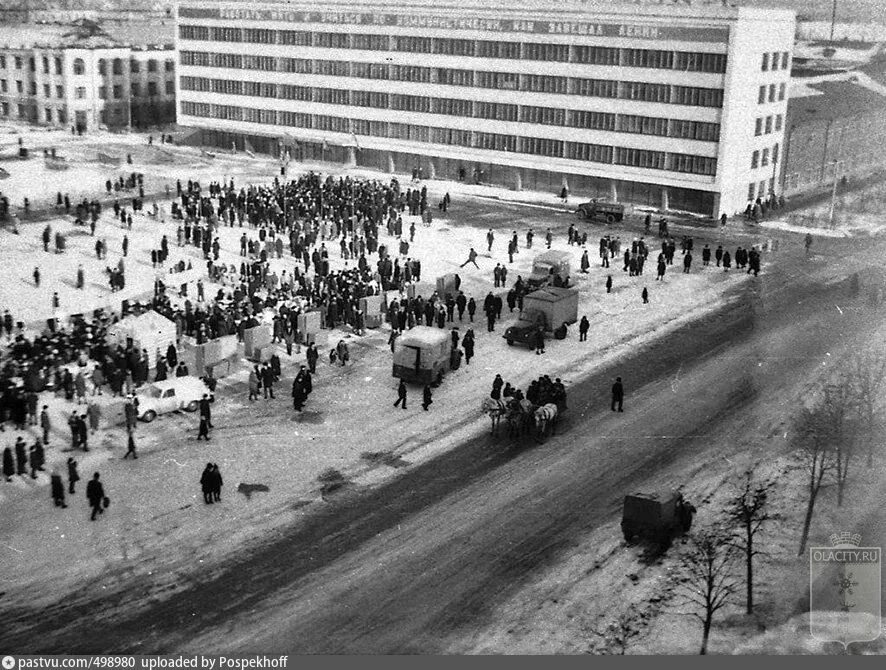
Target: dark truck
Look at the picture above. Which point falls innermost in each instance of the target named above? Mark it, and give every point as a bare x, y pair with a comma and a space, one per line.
548, 308
610, 212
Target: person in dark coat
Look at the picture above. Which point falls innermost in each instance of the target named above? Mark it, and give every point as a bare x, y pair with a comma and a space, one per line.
298, 394
312, 356
461, 303
718, 255
645, 296
130, 446
203, 429
206, 481
539, 340
172, 356
8, 464
472, 308
58, 489
307, 381
21, 457
618, 394
275, 367
45, 423
497, 385
95, 494
467, 343
217, 479
73, 475
162, 372
401, 394
609, 283
426, 398
727, 261
583, 327
206, 409
267, 381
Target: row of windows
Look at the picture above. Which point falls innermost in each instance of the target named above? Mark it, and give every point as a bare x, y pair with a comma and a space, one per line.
771, 93
602, 88
763, 191
643, 158
23, 113
772, 63
765, 125
135, 89
761, 157
565, 53
624, 123
79, 65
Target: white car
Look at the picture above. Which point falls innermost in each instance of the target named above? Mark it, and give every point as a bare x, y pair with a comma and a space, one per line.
170, 395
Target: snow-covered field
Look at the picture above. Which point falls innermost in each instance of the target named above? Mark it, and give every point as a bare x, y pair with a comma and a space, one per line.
157, 527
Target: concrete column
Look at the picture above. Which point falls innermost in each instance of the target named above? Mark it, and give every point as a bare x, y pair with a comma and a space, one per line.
665, 203
717, 212
518, 181
613, 191
390, 164
352, 157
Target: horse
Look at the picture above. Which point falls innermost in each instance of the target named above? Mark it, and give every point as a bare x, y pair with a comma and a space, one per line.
545, 417
496, 409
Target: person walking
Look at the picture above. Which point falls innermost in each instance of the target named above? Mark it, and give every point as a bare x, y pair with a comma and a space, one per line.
21, 457
95, 494
45, 424
609, 283
401, 394
467, 343
217, 481
490, 238
539, 340
267, 381
73, 475
58, 489
203, 430
206, 409
645, 296
253, 383
583, 327
426, 398
8, 464
618, 394
687, 262
130, 446
206, 480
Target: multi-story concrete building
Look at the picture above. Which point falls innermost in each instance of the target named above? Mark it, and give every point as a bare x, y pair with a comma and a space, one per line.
672, 106
81, 76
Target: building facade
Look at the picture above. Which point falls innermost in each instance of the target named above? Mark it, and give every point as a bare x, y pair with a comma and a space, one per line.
668, 106
85, 83
838, 133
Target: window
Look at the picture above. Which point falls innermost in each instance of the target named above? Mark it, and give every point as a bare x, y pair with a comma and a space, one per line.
543, 83
169, 65
193, 32
453, 107
761, 95
775, 153
598, 88
134, 66
778, 121
785, 59
118, 92
118, 66
699, 97
58, 65
152, 88
18, 62
411, 73
595, 153
4, 107
781, 91
699, 62
59, 92
755, 159
333, 40
694, 130
494, 142
102, 66
225, 34
152, 65
771, 92
103, 92
369, 70
79, 66
596, 55
259, 36
33, 88
134, 90
487, 49
47, 91
647, 58
45, 65
752, 190
637, 90
496, 111
295, 38
774, 60
764, 158
765, 65
332, 68
369, 99
449, 47
19, 86
297, 65
3, 86
541, 147
543, 115
762, 190
2, 62
593, 120
693, 164
170, 87
80, 92
452, 77
545, 52
642, 158
768, 125
48, 113
644, 125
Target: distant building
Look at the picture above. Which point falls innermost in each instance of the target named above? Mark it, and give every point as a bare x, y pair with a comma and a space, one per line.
87, 75
838, 133
672, 106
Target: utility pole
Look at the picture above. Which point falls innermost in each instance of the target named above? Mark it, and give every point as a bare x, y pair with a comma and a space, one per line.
833, 196
833, 19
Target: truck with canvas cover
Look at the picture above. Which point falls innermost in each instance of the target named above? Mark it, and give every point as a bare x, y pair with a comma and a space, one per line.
651, 516
610, 212
548, 265
549, 308
422, 355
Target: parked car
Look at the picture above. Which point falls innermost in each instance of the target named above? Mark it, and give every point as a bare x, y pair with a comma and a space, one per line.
170, 395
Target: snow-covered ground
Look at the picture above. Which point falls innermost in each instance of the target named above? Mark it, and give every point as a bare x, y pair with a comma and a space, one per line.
157, 527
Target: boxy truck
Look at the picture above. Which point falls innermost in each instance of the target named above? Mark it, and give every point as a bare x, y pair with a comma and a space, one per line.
548, 308
422, 355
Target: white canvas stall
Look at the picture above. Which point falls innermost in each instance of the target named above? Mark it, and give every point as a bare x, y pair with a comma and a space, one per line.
149, 331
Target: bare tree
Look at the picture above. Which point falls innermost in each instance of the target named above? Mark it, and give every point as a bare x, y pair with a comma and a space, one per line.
614, 637
747, 512
867, 373
837, 407
708, 581
811, 436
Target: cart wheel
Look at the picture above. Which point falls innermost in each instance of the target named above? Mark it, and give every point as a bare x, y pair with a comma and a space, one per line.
192, 406
149, 416
610, 218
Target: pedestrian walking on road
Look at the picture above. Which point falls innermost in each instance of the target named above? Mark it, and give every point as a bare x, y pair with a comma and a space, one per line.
203, 431
216, 483
609, 283
401, 394
490, 238
206, 480
645, 296
426, 398
583, 326
58, 489
618, 394
95, 494
73, 475
130, 446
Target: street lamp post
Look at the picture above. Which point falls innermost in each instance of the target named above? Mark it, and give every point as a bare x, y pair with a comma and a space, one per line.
833, 196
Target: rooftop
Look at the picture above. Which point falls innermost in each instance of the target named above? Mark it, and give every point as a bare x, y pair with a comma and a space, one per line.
837, 99
88, 35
